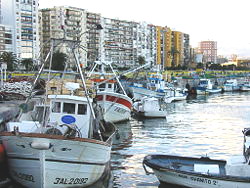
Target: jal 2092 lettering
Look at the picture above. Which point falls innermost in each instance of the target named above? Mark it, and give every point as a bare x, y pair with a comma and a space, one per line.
70, 181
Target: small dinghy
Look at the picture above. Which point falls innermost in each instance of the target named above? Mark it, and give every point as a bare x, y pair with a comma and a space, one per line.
201, 172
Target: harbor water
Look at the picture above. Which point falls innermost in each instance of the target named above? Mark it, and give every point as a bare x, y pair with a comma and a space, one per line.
200, 126
203, 125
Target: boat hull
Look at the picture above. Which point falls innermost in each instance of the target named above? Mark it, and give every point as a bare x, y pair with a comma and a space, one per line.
40, 162
204, 91
139, 92
117, 107
245, 88
231, 88
152, 114
196, 172
192, 181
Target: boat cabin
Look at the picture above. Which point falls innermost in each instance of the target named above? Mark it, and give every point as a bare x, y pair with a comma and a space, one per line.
149, 104
66, 111
109, 86
205, 83
232, 82
156, 84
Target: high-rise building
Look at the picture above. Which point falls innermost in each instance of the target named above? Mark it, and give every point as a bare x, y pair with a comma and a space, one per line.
22, 17
186, 50
117, 42
93, 37
64, 22
144, 43
209, 51
6, 39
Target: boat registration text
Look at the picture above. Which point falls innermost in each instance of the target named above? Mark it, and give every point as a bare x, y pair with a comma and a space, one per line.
70, 180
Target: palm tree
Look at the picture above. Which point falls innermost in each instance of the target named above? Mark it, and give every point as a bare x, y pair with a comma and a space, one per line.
58, 61
10, 59
27, 63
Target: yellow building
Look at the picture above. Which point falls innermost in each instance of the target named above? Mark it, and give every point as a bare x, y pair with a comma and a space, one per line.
158, 45
168, 44
163, 46
177, 51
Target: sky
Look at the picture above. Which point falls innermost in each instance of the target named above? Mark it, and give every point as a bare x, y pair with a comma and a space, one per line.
224, 21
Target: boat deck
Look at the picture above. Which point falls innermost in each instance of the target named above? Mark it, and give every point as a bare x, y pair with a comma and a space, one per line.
203, 165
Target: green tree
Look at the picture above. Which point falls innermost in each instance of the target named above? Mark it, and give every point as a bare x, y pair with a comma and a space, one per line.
10, 59
58, 60
27, 63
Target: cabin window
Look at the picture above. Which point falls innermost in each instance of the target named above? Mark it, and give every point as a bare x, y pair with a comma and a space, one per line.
56, 107
53, 88
102, 86
82, 109
109, 85
69, 108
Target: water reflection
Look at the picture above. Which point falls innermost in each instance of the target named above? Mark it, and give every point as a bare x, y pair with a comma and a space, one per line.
202, 125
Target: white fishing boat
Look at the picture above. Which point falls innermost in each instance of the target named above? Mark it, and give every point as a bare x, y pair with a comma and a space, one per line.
201, 172
205, 87
66, 145
231, 85
153, 88
111, 96
175, 94
245, 86
149, 107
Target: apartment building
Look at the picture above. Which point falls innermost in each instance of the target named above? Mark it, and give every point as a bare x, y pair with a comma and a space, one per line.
186, 50
6, 39
209, 51
144, 42
22, 17
165, 47
151, 43
64, 22
94, 28
117, 42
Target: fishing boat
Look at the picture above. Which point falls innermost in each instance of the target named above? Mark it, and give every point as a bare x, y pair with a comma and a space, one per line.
231, 85
175, 94
66, 144
153, 88
205, 87
110, 94
149, 107
202, 172
245, 86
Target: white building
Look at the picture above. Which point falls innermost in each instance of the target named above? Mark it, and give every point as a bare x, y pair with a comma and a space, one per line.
64, 22
6, 39
144, 41
22, 16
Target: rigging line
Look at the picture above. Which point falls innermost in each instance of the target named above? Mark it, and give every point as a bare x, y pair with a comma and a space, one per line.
46, 91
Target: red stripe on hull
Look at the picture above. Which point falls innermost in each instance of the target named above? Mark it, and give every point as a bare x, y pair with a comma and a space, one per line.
116, 100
